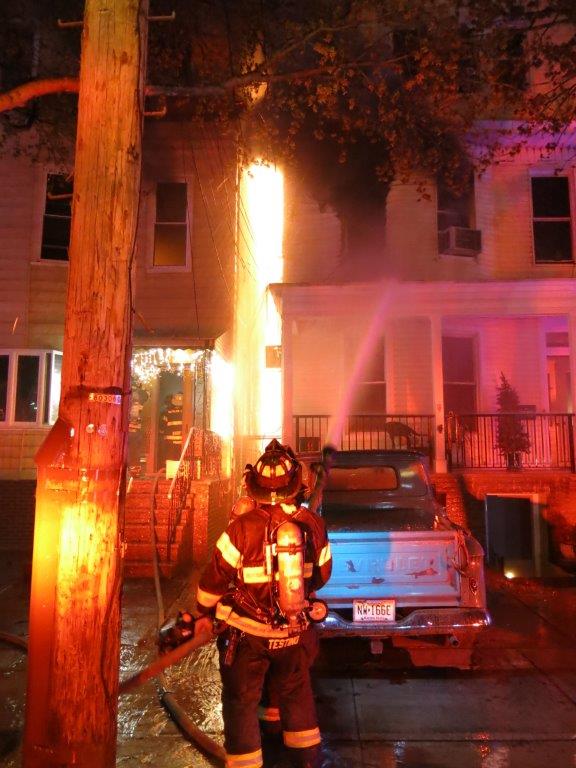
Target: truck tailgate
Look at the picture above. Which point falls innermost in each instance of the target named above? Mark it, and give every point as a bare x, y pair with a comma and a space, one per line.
415, 568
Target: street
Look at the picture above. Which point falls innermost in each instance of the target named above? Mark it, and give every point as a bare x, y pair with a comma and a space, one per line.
515, 708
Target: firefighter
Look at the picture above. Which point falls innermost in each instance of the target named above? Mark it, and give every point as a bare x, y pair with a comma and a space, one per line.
170, 428
264, 568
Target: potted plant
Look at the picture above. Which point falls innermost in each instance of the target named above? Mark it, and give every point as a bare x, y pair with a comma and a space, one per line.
512, 439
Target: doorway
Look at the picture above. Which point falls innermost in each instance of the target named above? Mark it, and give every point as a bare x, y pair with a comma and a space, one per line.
516, 535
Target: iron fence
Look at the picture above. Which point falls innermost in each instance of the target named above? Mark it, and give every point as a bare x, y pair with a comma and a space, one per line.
367, 431
473, 440
535, 441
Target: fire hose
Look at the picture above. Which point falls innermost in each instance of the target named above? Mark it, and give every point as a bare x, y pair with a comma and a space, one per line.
19, 642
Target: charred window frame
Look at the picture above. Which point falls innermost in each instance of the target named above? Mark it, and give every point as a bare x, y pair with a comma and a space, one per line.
405, 42
171, 250
510, 66
552, 222
57, 219
455, 208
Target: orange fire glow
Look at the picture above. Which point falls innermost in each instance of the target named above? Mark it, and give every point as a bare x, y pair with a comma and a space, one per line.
265, 212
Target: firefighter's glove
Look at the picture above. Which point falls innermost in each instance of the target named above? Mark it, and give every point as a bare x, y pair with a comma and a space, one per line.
204, 626
176, 631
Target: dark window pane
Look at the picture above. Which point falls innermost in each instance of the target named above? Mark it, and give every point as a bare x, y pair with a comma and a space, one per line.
54, 253
47, 384
27, 388
57, 218
171, 202
550, 197
59, 207
56, 232
4, 360
170, 245
460, 398
455, 209
552, 241
458, 359
362, 479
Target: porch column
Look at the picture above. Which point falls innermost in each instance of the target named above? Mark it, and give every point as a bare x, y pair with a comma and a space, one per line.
287, 387
438, 394
389, 371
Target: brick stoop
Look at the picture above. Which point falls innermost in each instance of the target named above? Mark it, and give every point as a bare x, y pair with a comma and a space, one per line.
138, 560
449, 493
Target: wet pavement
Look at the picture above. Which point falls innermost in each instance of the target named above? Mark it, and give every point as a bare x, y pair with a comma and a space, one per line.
516, 707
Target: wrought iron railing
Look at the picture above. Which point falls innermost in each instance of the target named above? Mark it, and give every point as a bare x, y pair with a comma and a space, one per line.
366, 432
546, 441
472, 440
201, 458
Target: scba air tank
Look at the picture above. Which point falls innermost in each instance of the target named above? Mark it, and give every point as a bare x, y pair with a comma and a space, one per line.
290, 559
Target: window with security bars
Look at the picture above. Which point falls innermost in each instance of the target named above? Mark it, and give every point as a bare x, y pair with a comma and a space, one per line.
551, 219
170, 227
57, 217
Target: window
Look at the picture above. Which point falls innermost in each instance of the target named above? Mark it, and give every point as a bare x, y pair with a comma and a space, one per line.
29, 386
28, 371
4, 361
552, 225
371, 393
170, 228
455, 210
510, 64
459, 370
57, 218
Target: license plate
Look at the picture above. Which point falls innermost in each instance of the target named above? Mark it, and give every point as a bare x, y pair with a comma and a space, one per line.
380, 611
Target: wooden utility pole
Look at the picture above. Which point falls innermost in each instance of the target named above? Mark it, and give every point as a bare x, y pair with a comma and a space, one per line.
76, 575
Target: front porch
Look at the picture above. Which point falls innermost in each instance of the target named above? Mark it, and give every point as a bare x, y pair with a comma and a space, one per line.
470, 440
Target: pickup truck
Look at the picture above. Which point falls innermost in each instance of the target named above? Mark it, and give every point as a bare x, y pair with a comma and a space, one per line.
402, 571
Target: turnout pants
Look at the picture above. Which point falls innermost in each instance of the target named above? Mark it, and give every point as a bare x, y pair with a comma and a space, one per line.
287, 662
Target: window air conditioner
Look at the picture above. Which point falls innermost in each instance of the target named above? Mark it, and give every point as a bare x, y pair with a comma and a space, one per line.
459, 241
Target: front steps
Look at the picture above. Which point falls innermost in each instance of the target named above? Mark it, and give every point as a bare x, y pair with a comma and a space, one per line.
138, 554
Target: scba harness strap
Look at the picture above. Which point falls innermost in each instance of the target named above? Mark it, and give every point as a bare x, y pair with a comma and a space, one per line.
250, 626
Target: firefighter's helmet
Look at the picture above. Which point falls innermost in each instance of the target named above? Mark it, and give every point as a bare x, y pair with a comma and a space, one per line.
276, 477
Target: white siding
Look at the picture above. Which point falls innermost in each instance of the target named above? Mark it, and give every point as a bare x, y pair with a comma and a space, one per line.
18, 179
312, 237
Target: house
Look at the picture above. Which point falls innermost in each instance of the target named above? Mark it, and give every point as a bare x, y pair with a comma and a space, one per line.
182, 313
399, 339
404, 343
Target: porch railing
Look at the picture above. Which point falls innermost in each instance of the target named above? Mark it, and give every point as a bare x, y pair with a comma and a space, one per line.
366, 432
472, 441
200, 458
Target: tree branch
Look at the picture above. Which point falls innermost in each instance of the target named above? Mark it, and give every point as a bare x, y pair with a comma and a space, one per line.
22, 94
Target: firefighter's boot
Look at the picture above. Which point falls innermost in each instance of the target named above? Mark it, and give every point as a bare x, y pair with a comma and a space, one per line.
309, 757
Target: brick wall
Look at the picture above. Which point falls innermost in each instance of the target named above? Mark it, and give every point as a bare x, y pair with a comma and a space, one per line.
465, 495
17, 500
211, 501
